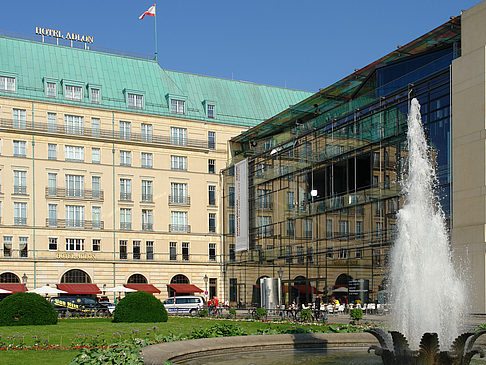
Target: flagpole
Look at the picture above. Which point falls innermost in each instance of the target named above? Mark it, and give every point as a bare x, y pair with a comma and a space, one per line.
155, 4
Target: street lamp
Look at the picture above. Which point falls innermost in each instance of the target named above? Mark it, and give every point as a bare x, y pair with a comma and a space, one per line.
24, 280
280, 273
206, 284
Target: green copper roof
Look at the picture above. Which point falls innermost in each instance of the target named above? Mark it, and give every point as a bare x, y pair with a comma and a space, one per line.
236, 102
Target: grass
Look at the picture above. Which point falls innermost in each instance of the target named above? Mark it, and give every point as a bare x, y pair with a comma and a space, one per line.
29, 357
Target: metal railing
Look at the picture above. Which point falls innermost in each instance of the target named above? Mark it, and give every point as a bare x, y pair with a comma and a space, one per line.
20, 221
147, 226
126, 196
147, 198
20, 190
181, 228
179, 200
55, 192
75, 224
126, 226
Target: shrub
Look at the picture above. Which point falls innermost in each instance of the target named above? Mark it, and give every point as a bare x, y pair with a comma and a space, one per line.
203, 313
140, 307
356, 314
120, 353
261, 313
306, 315
22, 309
232, 312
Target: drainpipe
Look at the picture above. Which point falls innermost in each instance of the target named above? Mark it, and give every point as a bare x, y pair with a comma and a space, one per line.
114, 221
33, 200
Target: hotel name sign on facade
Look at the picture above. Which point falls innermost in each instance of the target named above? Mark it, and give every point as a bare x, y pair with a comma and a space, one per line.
69, 36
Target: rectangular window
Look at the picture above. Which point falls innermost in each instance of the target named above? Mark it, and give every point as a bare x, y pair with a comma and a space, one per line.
185, 251
147, 160
136, 250
300, 254
308, 227
178, 163
52, 151
146, 132
147, 191
359, 253
135, 101
231, 224
290, 200
7, 83
212, 222
19, 148
126, 189
179, 222
264, 225
95, 155
52, 244
342, 253
50, 89
359, 229
290, 227
210, 111
125, 219
96, 245
74, 244
95, 96
20, 182
149, 250
310, 254
74, 153
7, 246
51, 184
95, 127
52, 122
212, 252
75, 186
172, 251
74, 124
288, 254
343, 228
147, 220
264, 199
96, 187
330, 252
73, 92
211, 166
23, 246
178, 136
232, 252
123, 250
211, 140
329, 228
52, 220
96, 217
125, 158
178, 194
19, 119
212, 195
231, 196
20, 214
177, 106
74, 216
125, 130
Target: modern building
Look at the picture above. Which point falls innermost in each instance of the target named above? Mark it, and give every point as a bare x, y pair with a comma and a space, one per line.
109, 168
323, 176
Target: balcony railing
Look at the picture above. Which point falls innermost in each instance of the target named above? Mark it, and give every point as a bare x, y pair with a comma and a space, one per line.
181, 228
75, 224
20, 221
126, 226
147, 198
147, 226
179, 200
126, 196
20, 190
55, 192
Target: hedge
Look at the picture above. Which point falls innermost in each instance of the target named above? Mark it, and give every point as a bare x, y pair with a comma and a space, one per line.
22, 309
140, 307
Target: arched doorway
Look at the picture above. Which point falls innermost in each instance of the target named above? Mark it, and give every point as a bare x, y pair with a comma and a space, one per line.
342, 280
301, 290
9, 277
341, 285
75, 276
137, 279
178, 279
256, 296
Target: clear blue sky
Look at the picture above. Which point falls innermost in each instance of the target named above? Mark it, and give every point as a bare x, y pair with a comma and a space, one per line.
302, 44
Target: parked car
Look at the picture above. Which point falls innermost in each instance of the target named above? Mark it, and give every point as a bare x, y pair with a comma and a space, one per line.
79, 305
184, 305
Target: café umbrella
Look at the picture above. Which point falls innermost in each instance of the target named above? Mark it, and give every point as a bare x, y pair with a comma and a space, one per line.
47, 290
3, 291
120, 289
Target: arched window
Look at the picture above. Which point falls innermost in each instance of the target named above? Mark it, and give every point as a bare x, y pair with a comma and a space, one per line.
300, 280
9, 277
342, 280
137, 279
180, 279
75, 276
261, 277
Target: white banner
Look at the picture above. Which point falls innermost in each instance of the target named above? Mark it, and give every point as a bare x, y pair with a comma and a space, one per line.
241, 205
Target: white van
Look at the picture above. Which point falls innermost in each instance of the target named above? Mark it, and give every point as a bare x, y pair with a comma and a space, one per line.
184, 305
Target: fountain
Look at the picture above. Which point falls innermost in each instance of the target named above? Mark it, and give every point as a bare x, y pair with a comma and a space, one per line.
426, 294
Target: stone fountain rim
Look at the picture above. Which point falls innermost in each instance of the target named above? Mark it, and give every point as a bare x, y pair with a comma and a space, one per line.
191, 349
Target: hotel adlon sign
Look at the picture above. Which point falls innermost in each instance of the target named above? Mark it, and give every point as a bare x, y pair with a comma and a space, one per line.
58, 34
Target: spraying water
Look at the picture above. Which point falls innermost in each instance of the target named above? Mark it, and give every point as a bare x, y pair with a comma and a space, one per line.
426, 293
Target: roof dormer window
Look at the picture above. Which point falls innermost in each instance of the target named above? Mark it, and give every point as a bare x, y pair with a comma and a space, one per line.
7, 83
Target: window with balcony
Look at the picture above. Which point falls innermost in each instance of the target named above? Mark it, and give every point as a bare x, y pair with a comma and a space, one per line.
146, 132
74, 124
172, 251
19, 148
19, 120
185, 251
96, 187
52, 244
343, 228
135, 101
147, 191
24, 246
212, 222
74, 92
178, 136
136, 250
96, 217
212, 194
95, 155
178, 194
211, 140
74, 216
126, 189
95, 96
51, 184
52, 211
50, 89
178, 163
7, 246
74, 153
264, 199
264, 226
177, 106
52, 122
7, 84
212, 252
125, 219
95, 127
147, 220
20, 182
74, 244
125, 158
52, 151
75, 186
149, 250
211, 166
123, 250
147, 160
125, 130
179, 222
96, 243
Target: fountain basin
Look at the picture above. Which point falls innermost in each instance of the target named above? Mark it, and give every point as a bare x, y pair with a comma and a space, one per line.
191, 349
